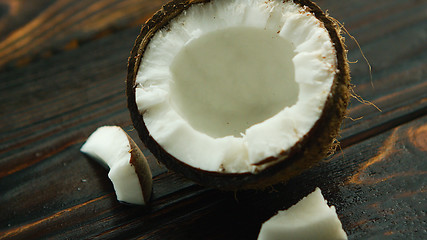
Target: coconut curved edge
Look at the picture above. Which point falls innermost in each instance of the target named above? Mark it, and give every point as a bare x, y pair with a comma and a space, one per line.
312, 148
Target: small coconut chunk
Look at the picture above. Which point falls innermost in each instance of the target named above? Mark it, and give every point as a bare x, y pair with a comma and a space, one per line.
129, 170
310, 218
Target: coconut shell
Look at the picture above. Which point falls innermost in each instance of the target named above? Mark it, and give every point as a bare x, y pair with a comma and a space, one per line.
312, 148
142, 169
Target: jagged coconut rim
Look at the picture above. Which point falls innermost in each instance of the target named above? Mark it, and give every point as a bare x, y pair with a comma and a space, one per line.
299, 157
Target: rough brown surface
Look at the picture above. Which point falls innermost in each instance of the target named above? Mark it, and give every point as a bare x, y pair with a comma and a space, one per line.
142, 169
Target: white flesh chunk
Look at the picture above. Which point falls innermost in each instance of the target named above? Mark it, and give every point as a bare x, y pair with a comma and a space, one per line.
311, 218
232, 82
110, 146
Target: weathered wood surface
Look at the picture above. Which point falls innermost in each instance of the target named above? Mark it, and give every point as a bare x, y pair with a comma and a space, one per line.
62, 71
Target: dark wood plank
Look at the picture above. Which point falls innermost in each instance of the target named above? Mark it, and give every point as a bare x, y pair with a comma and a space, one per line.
48, 107
31, 30
15, 14
375, 197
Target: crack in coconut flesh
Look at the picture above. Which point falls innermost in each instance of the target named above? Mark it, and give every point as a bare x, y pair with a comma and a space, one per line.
226, 90
129, 171
310, 218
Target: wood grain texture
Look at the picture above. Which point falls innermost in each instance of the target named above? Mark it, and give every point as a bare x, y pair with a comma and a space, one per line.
32, 30
70, 80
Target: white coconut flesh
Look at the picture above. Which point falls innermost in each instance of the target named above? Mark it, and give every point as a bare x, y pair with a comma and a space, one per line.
230, 83
111, 147
310, 218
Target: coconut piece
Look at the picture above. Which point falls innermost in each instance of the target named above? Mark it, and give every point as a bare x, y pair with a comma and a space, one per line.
310, 218
129, 171
239, 93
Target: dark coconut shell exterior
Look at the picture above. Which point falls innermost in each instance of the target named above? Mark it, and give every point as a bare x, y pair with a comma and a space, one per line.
142, 169
307, 152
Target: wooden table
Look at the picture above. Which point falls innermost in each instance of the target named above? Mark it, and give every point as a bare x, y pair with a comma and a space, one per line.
62, 72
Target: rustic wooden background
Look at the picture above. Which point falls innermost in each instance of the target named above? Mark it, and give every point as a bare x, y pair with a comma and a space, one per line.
62, 72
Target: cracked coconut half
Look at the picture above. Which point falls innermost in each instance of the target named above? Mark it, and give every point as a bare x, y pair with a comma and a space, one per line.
238, 93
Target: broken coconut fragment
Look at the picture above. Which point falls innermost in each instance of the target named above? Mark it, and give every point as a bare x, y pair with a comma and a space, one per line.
238, 94
311, 218
129, 170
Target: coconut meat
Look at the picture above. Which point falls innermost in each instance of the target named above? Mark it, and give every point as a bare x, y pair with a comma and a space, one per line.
310, 218
111, 147
229, 83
